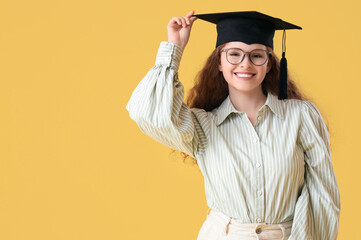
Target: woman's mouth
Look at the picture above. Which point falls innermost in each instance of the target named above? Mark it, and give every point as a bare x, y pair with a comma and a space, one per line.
244, 76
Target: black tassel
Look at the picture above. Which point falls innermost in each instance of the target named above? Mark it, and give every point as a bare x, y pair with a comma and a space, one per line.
282, 94
282, 91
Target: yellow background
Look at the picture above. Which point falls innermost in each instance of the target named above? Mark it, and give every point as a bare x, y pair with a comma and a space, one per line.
73, 165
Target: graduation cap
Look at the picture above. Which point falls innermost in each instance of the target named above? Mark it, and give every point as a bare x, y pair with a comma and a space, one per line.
252, 27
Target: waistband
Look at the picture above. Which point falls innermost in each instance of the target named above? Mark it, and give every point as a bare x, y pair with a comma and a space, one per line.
271, 231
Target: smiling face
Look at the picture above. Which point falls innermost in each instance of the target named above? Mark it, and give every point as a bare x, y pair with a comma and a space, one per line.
244, 77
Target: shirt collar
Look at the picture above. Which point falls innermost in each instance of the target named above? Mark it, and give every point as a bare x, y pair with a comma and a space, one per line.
227, 108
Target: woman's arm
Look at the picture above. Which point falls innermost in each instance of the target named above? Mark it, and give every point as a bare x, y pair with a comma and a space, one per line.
156, 104
317, 209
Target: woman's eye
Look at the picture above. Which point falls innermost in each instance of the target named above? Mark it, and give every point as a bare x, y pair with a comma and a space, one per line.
234, 54
257, 56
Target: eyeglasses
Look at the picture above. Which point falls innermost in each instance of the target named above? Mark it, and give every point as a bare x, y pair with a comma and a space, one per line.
236, 55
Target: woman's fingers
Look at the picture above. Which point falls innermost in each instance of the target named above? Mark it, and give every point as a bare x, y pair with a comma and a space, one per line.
179, 20
192, 19
190, 14
176, 21
185, 21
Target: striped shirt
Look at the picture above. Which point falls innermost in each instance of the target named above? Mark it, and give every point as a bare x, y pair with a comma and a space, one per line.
275, 170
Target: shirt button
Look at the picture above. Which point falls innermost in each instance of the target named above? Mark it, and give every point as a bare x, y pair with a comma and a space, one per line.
259, 192
256, 140
259, 220
258, 165
259, 117
258, 230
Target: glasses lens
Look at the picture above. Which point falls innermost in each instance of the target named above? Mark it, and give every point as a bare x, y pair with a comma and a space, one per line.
258, 57
234, 56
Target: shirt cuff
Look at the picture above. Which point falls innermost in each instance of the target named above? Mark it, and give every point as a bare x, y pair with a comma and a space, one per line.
169, 54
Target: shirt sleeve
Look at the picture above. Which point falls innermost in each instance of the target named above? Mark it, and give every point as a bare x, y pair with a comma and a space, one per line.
156, 104
317, 209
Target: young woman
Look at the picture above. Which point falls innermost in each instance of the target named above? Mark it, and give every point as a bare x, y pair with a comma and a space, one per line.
264, 152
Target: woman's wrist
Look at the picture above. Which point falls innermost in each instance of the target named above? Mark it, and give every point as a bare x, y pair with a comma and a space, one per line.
177, 44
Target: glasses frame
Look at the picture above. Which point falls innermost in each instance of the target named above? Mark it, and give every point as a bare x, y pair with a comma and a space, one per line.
244, 55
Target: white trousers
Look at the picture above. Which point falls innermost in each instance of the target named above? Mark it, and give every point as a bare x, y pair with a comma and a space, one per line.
221, 227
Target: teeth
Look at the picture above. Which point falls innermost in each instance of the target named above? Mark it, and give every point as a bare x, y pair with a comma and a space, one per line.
243, 75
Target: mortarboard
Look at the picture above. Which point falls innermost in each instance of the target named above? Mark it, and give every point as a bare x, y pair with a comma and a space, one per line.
252, 27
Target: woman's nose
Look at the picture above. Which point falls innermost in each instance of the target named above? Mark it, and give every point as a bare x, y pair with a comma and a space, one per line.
246, 62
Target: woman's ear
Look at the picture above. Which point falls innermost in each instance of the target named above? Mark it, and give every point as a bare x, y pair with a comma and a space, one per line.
220, 67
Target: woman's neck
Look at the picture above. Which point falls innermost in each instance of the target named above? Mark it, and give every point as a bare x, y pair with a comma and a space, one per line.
249, 102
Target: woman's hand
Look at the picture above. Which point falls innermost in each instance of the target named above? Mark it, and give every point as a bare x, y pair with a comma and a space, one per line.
179, 29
